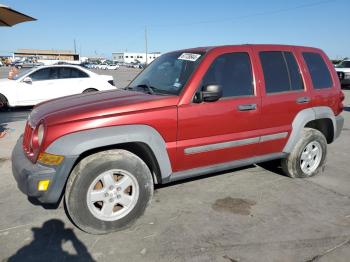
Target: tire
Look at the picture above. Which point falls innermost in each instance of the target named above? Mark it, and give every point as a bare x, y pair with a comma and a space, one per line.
89, 90
87, 214
304, 161
3, 102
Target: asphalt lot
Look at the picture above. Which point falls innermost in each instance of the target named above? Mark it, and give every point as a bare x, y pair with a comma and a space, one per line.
247, 214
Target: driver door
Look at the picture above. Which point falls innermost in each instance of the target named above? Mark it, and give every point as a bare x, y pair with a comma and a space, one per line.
214, 133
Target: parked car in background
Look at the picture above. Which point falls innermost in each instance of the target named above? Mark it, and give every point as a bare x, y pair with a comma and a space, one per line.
102, 66
189, 113
343, 71
112, 66
48, 82
26, 64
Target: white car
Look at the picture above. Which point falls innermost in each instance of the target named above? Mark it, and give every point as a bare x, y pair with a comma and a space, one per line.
112, 66
343, 71
49, 82
102, 66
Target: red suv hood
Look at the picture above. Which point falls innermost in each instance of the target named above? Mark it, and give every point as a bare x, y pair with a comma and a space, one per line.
97, 104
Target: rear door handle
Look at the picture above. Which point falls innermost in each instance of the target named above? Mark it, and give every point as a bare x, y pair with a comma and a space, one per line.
247, 107
303, 100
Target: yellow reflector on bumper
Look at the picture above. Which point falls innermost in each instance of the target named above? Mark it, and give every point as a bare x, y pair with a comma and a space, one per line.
43, 185
49, 159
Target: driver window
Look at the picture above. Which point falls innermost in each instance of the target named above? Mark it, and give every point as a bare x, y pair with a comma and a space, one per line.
233, 71
41, 74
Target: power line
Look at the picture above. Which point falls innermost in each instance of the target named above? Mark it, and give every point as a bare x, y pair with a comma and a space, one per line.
281, 10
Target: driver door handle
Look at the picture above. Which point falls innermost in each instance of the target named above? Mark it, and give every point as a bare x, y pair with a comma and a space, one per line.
247, 107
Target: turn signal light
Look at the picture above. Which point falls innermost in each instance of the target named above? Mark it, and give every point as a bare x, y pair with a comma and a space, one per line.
49, 159
43, 185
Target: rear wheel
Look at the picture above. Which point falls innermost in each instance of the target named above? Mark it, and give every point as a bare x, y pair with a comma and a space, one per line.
308, 156
89, 90
108, 191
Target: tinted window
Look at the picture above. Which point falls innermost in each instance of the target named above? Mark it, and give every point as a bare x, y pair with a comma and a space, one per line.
44, 74
281, 72
233, 72
75, 73
296, 81
65, 72
321, 78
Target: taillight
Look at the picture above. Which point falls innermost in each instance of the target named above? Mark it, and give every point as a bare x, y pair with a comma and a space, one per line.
341, 105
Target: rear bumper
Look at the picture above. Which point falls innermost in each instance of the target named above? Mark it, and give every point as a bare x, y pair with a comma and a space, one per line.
28, 175
339, 121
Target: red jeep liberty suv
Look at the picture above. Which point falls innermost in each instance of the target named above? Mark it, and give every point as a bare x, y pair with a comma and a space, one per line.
189, 113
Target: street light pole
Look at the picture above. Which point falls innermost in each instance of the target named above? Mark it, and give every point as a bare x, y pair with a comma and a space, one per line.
146, 44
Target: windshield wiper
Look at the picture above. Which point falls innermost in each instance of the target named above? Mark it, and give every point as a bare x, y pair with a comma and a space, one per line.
150, 89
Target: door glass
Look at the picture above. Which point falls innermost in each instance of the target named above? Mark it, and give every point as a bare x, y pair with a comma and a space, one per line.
75, 73
65, 72
281, 72
41, 74
233, 71
53, 73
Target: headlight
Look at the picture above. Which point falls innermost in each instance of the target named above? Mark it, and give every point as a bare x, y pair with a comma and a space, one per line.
347, 76
40, 133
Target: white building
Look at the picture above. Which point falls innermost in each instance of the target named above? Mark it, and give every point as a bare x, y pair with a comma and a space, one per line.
128, 57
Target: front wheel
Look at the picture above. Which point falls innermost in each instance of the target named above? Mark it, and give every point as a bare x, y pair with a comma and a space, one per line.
108, 191
3, 102
308, 156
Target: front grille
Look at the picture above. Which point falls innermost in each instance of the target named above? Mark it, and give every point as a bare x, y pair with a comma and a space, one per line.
341, 75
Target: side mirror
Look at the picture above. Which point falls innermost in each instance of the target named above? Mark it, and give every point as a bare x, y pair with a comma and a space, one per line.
211, 93
27, 80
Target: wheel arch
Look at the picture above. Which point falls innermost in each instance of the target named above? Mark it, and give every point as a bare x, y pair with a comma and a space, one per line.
142, 140
2, 96
140, 149
320, 118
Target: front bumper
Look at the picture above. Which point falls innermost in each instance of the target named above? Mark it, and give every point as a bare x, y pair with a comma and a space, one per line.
339, 121
28, 175
345, 82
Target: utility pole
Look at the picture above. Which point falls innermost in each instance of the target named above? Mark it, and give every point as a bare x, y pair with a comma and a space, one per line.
75, 47
146, 45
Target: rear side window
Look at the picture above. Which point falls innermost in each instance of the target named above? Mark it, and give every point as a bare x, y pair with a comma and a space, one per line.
281, 72
320, 75
233, 71
75, 73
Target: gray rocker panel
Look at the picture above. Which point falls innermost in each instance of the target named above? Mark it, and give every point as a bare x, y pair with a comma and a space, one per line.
77, 143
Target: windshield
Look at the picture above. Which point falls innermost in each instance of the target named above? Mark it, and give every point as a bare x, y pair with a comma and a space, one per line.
344, 64
168, 74
21, 74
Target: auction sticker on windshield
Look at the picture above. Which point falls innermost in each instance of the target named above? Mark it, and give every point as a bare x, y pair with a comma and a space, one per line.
189, 57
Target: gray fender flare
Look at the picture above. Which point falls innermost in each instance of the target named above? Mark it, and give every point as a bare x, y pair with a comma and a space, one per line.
302, 118
77, 143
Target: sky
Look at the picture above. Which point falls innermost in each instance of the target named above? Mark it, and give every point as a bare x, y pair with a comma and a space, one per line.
105, 26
